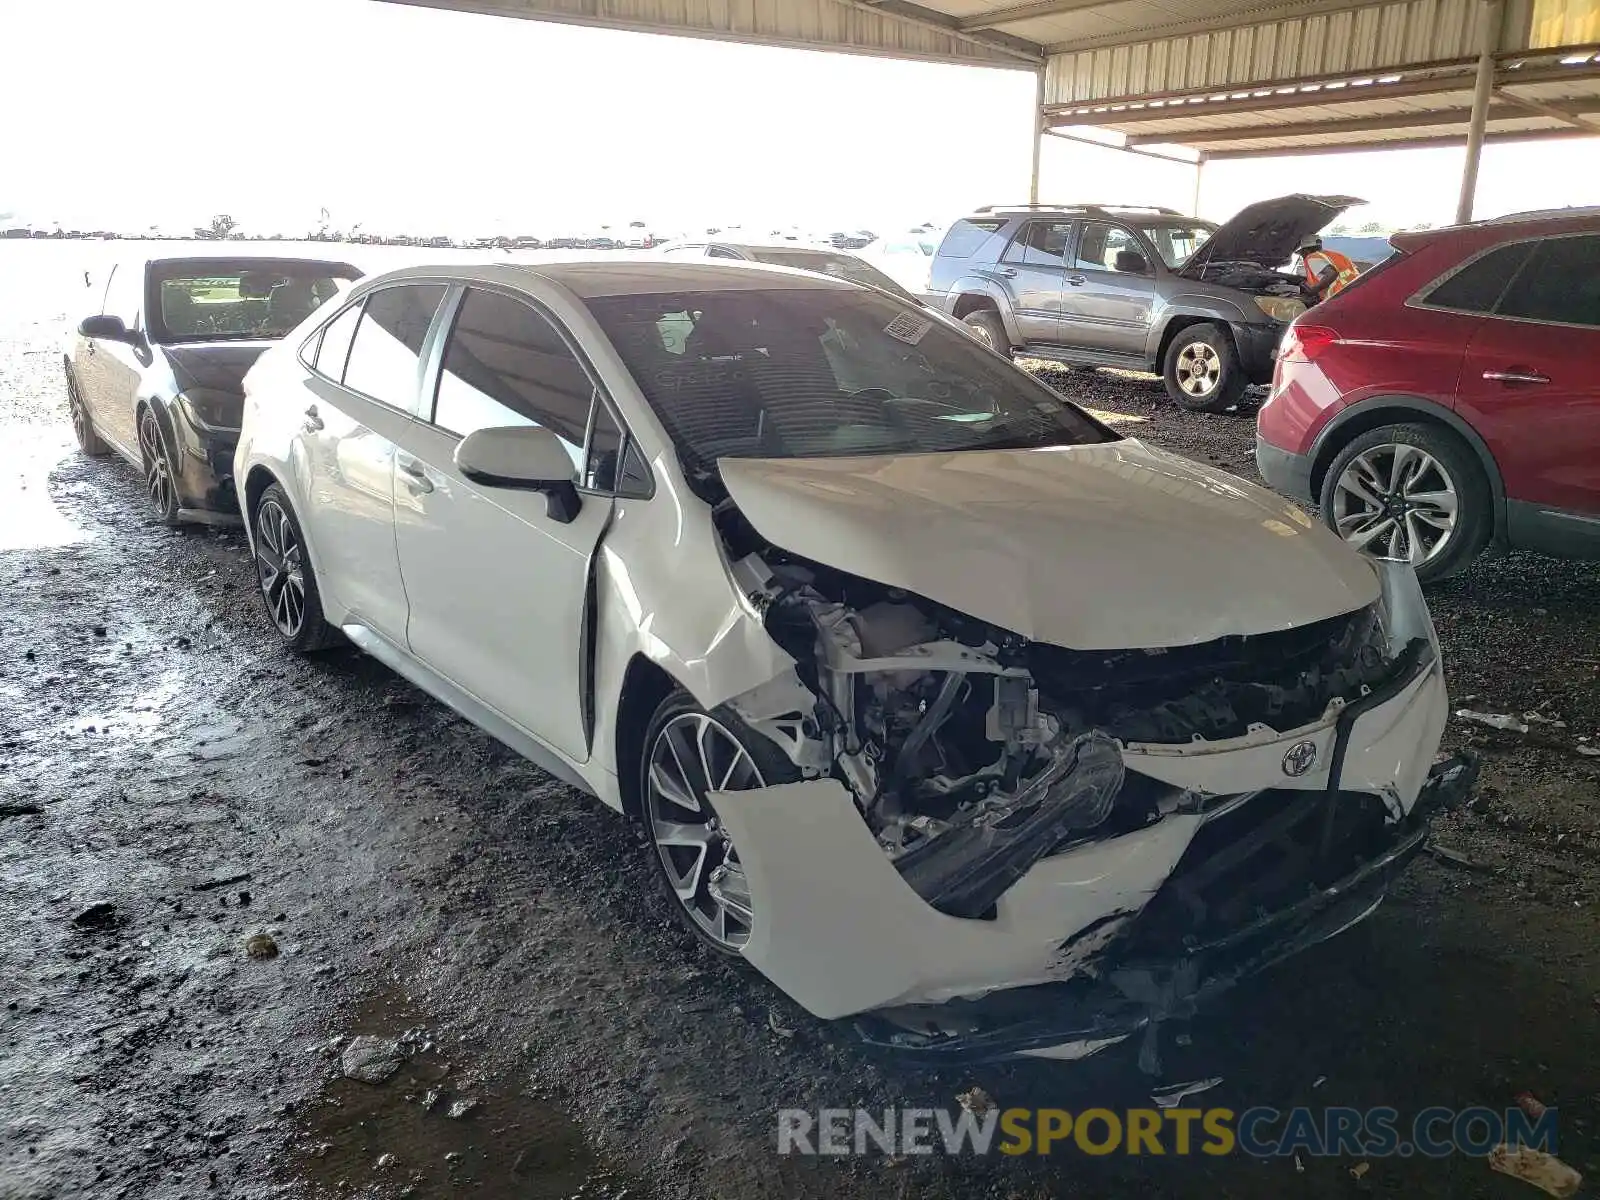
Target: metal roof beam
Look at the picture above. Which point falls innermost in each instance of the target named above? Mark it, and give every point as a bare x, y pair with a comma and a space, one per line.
1418, 143
1221, 133
1559, 112
1280, 95
1029, 12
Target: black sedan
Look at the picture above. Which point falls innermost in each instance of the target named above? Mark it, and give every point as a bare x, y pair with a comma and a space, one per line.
156, 374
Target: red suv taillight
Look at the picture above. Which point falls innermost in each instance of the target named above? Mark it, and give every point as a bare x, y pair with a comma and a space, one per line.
1303, 343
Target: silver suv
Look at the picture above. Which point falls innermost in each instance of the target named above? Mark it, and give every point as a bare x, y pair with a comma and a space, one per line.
1141, 288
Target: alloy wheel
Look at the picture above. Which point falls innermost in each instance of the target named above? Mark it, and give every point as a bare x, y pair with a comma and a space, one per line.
1396, 501
157, 471
694, 754
1199, 369
280, 567
80, 418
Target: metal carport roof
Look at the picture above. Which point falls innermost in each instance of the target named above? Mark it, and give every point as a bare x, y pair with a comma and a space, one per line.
1226, 78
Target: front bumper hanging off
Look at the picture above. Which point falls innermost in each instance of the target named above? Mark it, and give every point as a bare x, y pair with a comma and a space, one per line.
1078, 1017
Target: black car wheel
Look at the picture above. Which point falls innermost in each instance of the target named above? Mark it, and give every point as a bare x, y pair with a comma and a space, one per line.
1410, 492
283, 571
90, 442
1202, 370
160, 480
985, 325
689, 752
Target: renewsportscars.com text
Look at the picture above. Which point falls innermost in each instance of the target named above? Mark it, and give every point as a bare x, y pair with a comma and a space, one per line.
1260, 1132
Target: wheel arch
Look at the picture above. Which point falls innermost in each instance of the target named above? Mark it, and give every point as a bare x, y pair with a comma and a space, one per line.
973, 295
1378, 411
645, 684
257, 480
1177, 323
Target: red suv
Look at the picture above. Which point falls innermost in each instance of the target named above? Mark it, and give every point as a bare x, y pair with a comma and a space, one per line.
1450, 397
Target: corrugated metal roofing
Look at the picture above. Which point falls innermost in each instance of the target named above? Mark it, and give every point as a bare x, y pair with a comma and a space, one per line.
1328, 73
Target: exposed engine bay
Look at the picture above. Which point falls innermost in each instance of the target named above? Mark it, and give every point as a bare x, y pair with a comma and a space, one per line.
1253, 277
973, 753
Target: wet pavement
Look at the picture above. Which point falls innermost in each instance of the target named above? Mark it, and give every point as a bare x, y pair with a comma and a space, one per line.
219, 863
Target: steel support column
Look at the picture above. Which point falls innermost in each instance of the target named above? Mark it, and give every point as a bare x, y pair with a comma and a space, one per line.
1482, 94
1040, 125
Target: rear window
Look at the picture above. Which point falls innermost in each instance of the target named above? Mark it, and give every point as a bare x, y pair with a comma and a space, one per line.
1478, 286
841, 266
966, 236
221, 301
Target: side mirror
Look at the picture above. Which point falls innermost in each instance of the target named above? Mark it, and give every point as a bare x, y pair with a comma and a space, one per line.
528, 457
109, 328
1131, 262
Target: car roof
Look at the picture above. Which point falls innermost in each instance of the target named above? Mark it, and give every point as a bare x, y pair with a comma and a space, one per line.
782, 247
627, 277
1123, 212
247, 257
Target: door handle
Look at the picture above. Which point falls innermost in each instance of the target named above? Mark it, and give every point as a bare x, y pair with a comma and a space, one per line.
313, 421
1077, 280
416, 474
1516, 375
1006, 272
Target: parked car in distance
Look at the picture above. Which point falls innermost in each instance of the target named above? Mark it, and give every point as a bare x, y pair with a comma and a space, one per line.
1450, 399
1141, 288
156, 373
838, 263
924, 685
906, 257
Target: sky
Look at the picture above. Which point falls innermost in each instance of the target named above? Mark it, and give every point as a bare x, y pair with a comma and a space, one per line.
402, 119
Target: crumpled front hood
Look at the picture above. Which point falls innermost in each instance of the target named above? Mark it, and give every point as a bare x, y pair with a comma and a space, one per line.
1269, 232
1114, 545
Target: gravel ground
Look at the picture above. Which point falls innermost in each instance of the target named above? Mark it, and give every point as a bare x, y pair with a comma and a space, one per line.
218, 862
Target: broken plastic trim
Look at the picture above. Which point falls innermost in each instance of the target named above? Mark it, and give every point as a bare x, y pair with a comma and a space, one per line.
1138, 996
967, 868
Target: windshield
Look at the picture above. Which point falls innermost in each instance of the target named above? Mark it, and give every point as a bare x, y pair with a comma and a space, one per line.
841, 266
1177, 243
825, 373
198, 302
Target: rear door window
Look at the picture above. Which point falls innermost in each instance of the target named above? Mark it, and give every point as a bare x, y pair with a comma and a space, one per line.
1478, 286
1560, 284
1041, 244
334, 348
385, 355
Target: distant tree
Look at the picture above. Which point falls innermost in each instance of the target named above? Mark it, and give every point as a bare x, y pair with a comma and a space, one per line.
1423, 225
636, 225
1339, 230
222, 225
1372, 227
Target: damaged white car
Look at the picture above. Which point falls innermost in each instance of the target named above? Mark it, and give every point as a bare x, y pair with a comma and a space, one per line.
945, 706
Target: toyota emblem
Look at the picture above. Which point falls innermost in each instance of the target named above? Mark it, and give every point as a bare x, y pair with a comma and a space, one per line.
1300, 758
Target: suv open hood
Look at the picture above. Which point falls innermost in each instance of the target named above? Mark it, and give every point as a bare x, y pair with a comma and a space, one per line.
1269, 232
1114, 545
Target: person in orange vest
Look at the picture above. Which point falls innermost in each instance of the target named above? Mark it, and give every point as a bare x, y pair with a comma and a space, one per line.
1327, 271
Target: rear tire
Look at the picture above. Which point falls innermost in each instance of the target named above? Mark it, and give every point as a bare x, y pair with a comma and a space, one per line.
90, 442
1396, 487
1202, 370
989, 329
287, 584
687, 752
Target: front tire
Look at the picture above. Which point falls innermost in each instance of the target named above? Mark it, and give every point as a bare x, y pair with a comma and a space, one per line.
90, 442
985, 325
160, 479
1410, 492
687, 753
1202, 370
287, 583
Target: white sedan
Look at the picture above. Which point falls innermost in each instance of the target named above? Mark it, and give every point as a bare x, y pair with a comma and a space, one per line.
942, 703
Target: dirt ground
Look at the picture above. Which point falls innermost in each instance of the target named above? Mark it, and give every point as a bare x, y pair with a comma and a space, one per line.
173, 787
